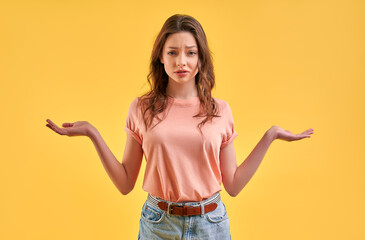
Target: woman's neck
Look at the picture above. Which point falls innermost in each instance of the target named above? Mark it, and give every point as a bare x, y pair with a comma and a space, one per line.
181, 91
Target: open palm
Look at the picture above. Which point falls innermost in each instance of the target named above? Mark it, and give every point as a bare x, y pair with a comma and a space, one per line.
80, 128
289, 136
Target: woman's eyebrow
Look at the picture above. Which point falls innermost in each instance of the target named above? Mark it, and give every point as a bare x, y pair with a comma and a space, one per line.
193, 46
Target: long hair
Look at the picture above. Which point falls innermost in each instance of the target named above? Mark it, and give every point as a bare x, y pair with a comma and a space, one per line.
156, 101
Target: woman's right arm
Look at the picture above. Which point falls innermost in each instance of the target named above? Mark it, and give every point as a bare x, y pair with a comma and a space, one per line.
123, 175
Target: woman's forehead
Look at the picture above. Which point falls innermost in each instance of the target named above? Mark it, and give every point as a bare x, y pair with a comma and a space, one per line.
180, 39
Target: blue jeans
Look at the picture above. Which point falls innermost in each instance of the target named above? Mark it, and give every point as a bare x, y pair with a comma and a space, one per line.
156, 224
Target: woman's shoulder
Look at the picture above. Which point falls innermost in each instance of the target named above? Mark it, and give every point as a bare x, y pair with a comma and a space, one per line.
222, 104
134, 103
220, 101
138, 105
135, 106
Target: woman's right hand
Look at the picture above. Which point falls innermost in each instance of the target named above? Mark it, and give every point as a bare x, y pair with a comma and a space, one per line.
80, 128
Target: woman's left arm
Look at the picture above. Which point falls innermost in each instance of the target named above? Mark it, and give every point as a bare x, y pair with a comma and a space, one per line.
235, 178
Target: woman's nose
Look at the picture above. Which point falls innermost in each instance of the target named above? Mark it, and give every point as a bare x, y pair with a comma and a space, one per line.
181, 60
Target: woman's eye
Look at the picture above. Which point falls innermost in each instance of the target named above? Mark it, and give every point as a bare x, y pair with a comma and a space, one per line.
192, 53
171, 53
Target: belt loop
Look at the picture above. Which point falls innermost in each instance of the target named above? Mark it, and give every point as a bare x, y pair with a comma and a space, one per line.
168, 208
202, 210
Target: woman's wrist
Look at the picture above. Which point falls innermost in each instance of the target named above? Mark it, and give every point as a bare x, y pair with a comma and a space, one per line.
92, 132
272, 133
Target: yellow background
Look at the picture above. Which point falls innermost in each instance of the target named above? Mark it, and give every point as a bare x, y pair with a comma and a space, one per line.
295, 64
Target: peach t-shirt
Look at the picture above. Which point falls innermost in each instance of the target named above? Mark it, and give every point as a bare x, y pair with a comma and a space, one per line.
181, 164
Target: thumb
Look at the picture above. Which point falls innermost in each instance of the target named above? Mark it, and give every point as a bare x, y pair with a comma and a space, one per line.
67, 124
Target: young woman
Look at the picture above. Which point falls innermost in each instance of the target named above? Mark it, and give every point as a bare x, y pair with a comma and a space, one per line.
186, 137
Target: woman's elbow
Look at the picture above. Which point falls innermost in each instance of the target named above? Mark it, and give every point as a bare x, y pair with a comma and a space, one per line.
125, 189
232, 193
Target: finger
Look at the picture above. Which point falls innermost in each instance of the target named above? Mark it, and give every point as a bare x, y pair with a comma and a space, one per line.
57, 129
305, 137
52, 128
309, 131
49, 126
51, 123
67, 125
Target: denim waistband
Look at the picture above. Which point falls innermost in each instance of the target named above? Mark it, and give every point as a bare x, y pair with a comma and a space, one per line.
216, 198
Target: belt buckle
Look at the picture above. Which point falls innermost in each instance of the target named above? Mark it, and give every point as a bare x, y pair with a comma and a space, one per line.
184, 209
169, 209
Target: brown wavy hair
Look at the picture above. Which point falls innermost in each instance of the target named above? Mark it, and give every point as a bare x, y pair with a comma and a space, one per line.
156, 101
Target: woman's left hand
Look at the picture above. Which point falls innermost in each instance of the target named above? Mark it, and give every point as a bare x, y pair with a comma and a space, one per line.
287, 135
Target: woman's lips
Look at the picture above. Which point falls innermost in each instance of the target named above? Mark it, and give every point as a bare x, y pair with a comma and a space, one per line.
182, 73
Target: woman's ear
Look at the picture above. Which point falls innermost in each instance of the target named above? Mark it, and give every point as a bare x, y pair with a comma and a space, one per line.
161, 60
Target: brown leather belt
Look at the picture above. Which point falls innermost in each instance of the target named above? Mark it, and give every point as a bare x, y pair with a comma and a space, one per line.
186, 210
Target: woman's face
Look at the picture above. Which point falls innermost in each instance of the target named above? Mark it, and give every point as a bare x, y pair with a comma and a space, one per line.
180, 57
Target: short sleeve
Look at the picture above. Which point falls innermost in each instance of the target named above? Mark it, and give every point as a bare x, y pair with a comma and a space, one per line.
229, 132
133, 121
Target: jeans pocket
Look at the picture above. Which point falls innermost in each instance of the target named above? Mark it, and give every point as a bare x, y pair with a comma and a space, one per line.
218, 215
151, 214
